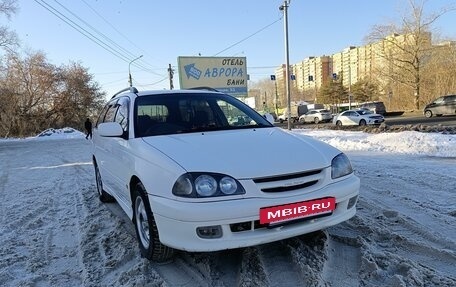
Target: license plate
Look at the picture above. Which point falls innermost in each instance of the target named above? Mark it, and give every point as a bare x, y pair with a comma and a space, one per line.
297, 210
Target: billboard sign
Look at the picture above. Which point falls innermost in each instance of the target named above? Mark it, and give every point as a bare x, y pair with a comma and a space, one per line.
225, 74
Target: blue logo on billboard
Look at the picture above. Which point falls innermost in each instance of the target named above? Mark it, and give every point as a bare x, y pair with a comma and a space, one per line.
191, 71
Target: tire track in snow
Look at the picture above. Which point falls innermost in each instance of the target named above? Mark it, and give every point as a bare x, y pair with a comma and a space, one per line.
309, 254
344, 261
281, 270
202, 269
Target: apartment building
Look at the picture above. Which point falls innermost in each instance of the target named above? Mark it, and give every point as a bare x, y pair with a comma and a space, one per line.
348, 66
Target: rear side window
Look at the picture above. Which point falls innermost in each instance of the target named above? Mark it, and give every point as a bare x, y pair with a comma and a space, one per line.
451, 99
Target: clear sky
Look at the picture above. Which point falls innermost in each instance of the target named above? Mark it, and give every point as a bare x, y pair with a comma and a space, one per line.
164, 30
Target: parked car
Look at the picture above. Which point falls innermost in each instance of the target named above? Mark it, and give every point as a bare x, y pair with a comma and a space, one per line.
316, 116
189, 179
440, 106
375, 107
358, 117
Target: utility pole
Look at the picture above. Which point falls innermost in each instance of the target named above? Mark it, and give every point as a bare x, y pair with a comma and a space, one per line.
129, 73
170, 75
284, 8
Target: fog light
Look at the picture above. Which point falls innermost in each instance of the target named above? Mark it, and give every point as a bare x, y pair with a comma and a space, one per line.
209, 232
352, 202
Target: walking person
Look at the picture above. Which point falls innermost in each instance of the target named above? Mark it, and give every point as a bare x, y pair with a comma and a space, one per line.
88, 127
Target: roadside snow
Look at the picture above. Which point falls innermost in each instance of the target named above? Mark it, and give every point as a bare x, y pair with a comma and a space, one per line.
55, 232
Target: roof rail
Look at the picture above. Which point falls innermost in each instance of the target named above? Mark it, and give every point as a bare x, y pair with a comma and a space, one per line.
131, 89
204, 88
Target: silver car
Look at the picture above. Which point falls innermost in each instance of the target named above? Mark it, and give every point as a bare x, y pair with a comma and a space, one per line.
316, 116
359, 117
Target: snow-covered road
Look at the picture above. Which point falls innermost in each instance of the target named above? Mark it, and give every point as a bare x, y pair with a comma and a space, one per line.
55, 232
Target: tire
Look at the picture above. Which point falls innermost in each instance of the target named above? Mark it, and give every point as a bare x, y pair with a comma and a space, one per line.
316, 120
146, 228
339, 123
362, 122
102, 195
428, 114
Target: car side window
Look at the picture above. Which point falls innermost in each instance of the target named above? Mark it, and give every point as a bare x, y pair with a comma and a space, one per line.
121, 116
102, 115
110, 114
451, 99
232, 116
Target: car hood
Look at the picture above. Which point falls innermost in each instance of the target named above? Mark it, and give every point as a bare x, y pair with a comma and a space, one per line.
245, 153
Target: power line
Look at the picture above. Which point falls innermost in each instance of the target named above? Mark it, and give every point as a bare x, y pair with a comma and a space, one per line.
131, 55
81, 30
115, 29
250, 36
91, 36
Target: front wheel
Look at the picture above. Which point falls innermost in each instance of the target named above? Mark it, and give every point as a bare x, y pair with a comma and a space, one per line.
146, 228
362, 122
316, 120
339, 123
428, 114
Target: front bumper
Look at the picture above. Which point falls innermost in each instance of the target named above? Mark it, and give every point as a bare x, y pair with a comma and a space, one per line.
178, 221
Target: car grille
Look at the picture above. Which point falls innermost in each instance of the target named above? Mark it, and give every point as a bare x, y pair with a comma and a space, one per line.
289, 182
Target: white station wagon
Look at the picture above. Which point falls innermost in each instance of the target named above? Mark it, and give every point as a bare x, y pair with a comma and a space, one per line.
199, 170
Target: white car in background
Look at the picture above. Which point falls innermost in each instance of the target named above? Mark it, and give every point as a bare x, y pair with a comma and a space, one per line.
316, 116
358, 117
191, 179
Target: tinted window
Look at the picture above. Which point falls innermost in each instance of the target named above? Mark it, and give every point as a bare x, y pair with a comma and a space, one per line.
450, 99
184, 113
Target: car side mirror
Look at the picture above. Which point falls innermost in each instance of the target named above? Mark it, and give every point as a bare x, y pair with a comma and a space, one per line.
111, 129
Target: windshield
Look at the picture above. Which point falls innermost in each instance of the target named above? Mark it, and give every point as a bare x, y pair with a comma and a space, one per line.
193, 112
364, 112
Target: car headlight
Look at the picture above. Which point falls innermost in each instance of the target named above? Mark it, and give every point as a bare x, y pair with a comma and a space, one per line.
340, 166
198, 184
205, 185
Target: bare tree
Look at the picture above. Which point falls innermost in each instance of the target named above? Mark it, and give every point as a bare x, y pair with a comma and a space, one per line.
79, 96
36, 95
406, 48
8, 39
28, 84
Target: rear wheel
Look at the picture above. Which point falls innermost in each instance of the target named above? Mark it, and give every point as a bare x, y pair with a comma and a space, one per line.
316, 120
102, 195
428, 114
146, 228
362, 122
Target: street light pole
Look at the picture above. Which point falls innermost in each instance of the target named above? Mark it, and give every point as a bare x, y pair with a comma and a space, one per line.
129, 73
284, 8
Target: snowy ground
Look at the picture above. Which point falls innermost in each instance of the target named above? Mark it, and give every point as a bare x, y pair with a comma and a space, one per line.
55, 232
